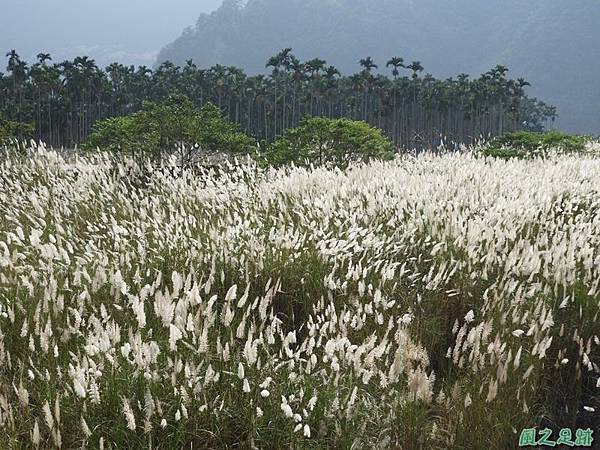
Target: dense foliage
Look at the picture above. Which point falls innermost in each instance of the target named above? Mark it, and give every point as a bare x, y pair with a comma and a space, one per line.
402, 304
173, 126
11, 131
66, 99
322, 141
524, 144
552, 44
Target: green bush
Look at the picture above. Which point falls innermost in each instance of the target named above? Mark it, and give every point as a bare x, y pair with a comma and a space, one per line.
118, 134
173, 126
10, 131
320, 141
523, 144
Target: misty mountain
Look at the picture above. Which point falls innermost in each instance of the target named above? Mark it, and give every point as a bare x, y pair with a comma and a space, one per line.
554, 45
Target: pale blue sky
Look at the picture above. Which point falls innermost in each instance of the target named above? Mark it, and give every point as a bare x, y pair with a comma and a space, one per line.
130, 31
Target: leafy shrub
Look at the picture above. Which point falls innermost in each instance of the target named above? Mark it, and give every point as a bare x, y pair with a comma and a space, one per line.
173, 126
319, 141
118, 134
522, 144
10, 131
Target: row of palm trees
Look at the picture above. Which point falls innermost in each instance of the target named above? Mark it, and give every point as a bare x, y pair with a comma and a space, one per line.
65, 99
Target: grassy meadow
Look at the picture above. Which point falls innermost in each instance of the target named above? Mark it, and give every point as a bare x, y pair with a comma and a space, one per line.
432, 301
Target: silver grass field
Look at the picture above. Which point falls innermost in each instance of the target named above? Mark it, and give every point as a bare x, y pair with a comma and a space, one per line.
436, 301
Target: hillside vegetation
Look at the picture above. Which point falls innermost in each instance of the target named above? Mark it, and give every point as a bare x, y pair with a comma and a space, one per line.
554, 44
400, 304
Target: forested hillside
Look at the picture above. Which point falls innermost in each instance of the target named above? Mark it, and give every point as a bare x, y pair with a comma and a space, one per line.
554, 45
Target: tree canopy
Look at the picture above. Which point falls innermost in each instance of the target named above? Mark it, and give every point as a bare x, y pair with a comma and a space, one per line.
14, 131
65, 100
174, 125
524, 144
338, 142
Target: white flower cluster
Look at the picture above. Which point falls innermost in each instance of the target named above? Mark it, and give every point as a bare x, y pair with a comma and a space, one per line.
296, 297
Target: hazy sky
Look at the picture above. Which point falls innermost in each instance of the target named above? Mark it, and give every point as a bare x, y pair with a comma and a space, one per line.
128, 31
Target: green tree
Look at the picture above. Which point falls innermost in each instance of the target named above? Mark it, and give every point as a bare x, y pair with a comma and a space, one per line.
11, 131
525, 144
319, 140
123, 134
64, 100
173, 126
